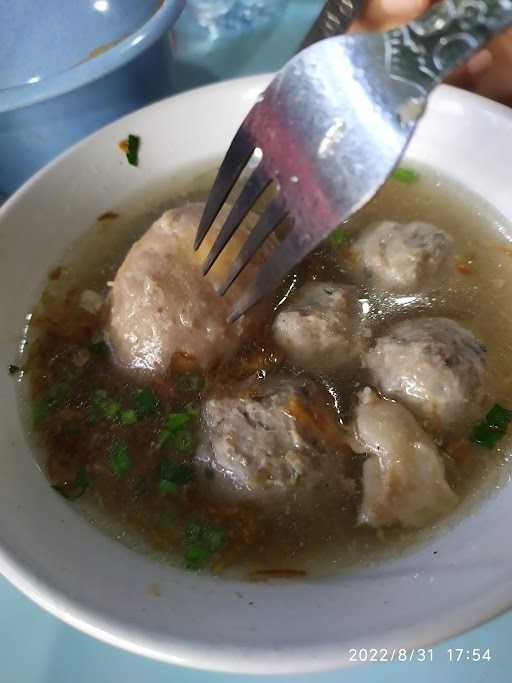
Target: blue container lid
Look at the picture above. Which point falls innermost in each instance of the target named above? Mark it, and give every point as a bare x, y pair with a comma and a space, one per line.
51, 47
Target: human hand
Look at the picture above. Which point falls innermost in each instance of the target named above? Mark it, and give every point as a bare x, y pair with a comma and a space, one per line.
488, 73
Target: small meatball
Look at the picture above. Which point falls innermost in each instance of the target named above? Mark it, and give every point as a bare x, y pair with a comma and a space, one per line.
436, 368
405, 257
403, 478
162, 305
317, 328
269, 444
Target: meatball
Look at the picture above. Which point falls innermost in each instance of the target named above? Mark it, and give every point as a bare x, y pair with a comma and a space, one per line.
271, 444
403, 478
436, 368
405, 257
317, 328
161, 304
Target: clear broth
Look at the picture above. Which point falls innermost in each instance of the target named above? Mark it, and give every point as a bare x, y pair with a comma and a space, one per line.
328, 538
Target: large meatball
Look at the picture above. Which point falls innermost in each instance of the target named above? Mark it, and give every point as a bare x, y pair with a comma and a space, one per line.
436, 368
161, 304
405, 257
276, 443
403, 478
317, 328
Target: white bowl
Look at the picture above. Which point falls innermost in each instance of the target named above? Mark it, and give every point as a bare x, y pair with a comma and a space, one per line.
56, 558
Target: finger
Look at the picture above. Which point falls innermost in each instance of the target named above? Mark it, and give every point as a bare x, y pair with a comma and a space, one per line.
380, 15
467, 76
496, 80
489, 73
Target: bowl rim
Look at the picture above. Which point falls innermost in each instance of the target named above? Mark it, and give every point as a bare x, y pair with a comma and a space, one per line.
93, 68
297, 658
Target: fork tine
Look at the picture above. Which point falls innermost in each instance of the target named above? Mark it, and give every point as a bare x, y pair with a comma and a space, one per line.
237, 157
280, 262
254, 188
274, 214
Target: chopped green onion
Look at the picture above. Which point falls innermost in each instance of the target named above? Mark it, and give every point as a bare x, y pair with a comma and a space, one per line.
111, 409
55, 397
59, 392
167, 486
77, 488
196, 557
499, 418
14, 369
129, 417
215, 539
99, 348
189, 382
184, 441
163, 438
119, 457
146, 403
211, 537
492, 428
108, 407
176, 473
132, 153
338, 237
201, 542
405, 175
193, 532
176, 421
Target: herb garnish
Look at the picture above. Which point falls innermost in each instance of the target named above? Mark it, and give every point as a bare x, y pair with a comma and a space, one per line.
174, 433
201, 542
338, 237
99, 348
128, 417
189, 382
132, 153
405, 175
173, 475
119, 457
54, 398
146, 403
107, 406
492, 428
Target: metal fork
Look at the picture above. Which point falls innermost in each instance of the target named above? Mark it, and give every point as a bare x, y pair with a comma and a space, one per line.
332, 126
334, 19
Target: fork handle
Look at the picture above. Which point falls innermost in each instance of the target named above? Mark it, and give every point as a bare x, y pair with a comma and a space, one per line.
334, 19
429, 48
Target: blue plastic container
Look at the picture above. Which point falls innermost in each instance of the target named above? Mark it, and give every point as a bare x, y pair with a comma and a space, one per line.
68, 68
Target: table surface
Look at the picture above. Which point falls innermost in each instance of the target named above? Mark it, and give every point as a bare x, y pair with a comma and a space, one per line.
37, 648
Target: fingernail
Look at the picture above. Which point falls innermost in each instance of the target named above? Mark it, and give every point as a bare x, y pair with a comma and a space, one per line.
399, 9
